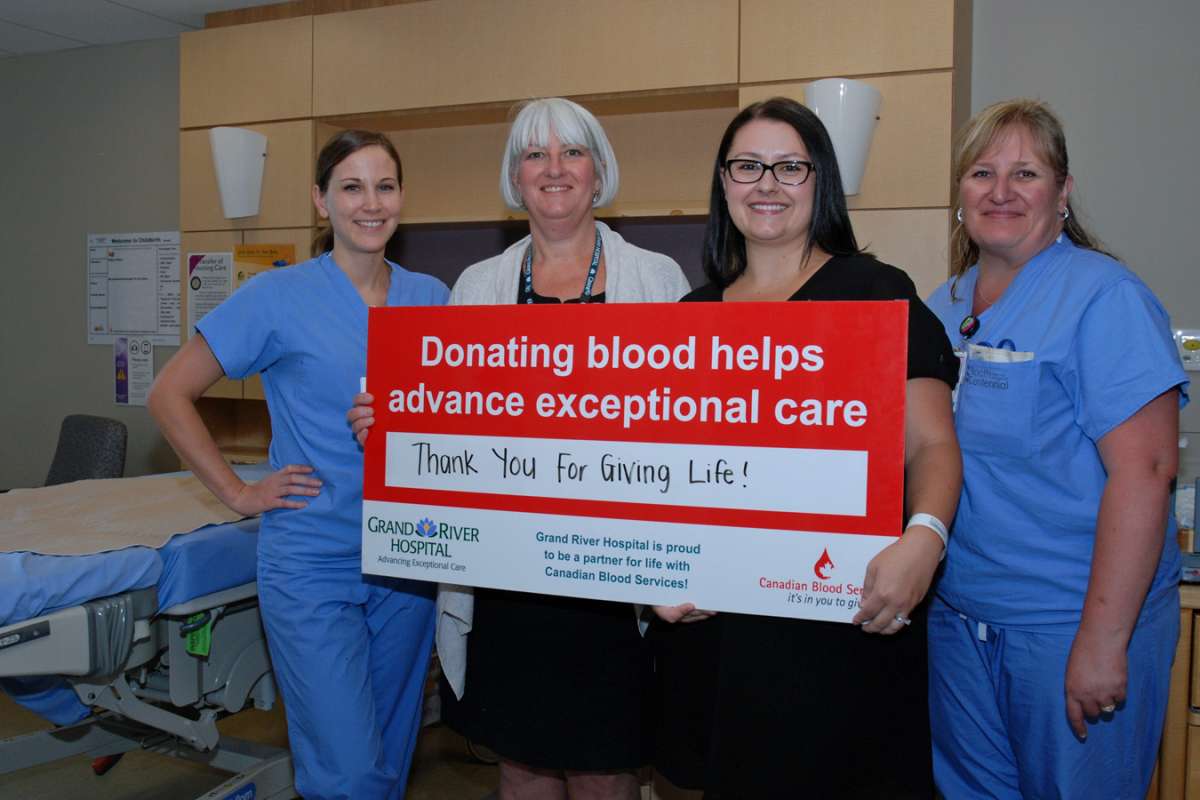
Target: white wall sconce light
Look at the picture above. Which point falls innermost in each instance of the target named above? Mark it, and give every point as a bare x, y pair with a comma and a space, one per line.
239, 156
848, 108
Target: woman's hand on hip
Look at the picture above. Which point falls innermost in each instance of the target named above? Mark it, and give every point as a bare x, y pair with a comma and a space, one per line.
897, 580
273, 491
361, 416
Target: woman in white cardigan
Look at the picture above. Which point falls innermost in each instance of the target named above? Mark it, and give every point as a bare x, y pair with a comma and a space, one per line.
557, 685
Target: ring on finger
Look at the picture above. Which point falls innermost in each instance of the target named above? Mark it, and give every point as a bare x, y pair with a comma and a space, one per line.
1108, 709
903, 620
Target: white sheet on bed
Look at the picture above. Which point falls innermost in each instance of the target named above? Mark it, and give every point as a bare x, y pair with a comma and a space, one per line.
100, 515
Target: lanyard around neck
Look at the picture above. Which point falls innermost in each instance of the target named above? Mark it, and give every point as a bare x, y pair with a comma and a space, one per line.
527, 274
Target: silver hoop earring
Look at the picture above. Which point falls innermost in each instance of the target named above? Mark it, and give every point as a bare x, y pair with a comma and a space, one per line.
596, 197
1065, 214
958, 215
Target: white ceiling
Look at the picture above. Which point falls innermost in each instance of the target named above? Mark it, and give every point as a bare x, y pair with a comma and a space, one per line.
41, 26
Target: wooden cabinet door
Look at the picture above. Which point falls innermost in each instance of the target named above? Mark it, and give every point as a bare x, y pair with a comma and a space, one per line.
453, 52
789, 39
245, 73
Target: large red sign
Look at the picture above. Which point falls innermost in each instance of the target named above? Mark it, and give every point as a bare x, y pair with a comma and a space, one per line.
645, 452
814, 376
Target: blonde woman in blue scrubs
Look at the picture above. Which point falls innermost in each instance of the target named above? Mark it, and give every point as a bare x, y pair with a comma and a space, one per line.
1055, 621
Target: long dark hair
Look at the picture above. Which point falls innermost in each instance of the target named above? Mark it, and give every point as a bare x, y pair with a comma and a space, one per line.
340, 147
830, 230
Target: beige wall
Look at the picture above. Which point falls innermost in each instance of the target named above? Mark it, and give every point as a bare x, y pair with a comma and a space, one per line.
90, 144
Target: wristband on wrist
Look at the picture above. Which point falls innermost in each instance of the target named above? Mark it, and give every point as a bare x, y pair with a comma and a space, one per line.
934, 524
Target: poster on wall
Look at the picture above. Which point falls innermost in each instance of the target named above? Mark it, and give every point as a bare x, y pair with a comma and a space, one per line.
133, 286
133, 369
212, 277
743, 457
210, 282
251, 259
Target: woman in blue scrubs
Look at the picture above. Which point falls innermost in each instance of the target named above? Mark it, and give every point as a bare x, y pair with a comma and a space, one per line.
350, 652
1055, 621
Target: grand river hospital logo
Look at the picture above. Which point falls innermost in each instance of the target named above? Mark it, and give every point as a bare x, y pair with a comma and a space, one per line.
426, 528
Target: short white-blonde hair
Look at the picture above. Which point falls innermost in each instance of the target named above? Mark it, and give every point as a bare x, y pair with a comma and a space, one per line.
572, 124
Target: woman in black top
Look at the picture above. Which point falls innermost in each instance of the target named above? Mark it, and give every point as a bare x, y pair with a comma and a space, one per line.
767, 707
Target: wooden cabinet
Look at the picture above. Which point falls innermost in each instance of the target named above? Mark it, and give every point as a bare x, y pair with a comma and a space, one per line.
1177, 776
440, 78
457, 52
664, 76
789, 39
246, 73
241, 428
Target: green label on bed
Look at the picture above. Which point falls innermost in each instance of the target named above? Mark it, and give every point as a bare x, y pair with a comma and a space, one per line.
199, 641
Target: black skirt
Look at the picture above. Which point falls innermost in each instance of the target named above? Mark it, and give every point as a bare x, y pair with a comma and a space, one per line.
756, 706
555, 682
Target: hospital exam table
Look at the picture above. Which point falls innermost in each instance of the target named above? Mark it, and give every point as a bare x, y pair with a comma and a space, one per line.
142, 648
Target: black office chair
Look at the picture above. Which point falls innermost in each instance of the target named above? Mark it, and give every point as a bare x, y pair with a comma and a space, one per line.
88, 447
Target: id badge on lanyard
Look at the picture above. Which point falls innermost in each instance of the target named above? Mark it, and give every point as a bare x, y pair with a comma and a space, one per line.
966, 329
967, 350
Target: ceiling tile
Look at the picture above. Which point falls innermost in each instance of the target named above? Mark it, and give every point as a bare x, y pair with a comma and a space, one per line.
20, 40
40, 26
87, 21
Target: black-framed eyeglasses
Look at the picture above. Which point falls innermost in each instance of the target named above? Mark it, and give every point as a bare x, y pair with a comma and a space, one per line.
748, 170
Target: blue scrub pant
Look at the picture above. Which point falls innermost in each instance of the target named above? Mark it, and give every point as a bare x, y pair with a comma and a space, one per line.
998, 712
350, 654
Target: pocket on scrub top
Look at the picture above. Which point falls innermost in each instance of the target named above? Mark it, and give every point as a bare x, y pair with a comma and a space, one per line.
997, 401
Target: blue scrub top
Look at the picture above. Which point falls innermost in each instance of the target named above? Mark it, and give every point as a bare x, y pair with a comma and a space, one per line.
1074, 347
305, 329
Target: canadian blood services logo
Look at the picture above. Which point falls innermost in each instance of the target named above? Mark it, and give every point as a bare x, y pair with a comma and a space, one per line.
824, 566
